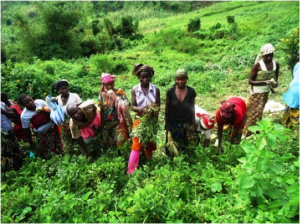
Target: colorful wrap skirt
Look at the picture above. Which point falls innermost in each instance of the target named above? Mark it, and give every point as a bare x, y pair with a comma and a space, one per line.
11, 156
255, 107
114, 133
65, 132
290, 117
50, 141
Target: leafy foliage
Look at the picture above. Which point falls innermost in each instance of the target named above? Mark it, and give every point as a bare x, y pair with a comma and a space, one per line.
290, 46
254, 182
194, 25
205, 187
50, 35
147, 129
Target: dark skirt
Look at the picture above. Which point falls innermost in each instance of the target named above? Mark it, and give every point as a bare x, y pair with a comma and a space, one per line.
11, 156
179, 133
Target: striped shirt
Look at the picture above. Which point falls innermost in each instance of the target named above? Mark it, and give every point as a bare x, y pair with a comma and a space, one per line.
143, 100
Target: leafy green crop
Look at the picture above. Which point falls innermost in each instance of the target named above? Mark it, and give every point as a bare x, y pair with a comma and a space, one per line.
254, 182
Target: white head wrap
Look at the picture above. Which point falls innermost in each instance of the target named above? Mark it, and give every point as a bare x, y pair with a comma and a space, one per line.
266, 49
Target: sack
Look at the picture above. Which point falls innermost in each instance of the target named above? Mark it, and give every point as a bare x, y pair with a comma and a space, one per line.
57, 114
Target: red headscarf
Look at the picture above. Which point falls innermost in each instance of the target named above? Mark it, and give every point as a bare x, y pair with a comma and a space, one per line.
227, 109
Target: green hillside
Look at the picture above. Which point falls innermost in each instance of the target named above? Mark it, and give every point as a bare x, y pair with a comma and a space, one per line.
254, 182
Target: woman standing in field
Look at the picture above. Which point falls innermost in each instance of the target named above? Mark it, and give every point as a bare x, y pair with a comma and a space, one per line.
11, 157
231, 112
145, 104
263, 77
291, 98
65, 98
180, 109
115, 116
15, 117
35, 115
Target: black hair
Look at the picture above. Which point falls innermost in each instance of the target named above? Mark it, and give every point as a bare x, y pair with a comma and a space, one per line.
59, 83
4, 97
21, 98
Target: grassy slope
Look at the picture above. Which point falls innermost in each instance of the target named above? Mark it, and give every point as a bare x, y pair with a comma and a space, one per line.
258, 23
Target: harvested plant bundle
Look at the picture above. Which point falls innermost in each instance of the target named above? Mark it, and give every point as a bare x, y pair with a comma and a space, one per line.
172, 145
147, 129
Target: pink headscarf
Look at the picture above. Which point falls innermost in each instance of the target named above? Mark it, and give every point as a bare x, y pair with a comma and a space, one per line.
105, 78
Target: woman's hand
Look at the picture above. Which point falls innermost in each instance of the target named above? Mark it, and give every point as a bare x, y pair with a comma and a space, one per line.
55, 99
43, 110
191, 128
268, 82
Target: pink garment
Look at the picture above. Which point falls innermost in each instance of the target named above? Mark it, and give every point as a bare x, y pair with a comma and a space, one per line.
133, 161
88, 131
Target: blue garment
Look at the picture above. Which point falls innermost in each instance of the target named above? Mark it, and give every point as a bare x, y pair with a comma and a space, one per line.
291, 97
5, 122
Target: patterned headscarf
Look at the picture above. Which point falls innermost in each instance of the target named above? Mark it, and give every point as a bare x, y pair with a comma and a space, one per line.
59, 83
227, 109
106, 78
181, 73
266, 49
138, 68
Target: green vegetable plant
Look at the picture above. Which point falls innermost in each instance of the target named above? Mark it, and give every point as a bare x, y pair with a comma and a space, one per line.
147, 129
267, 179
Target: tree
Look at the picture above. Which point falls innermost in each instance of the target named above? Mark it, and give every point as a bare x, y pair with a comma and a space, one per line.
50, 33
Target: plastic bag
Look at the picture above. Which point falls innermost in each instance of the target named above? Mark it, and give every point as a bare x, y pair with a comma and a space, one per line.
57, 114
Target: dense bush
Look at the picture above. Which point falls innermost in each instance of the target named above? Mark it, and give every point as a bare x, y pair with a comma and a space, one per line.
290, 45
194, 25
50, 34
203, 187
127, 27
254, 182
108, 64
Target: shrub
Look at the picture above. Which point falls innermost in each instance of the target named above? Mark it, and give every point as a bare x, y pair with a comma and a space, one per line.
194, 25
128, 27
49, 34
187, 45
109, 64
230, 19
290, 46
89, 45
196, 66
219, 34
95, 26
216, 26
109, 27
22, 78
8, 22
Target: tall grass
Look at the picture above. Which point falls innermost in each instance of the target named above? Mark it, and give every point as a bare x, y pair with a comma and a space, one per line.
141, 14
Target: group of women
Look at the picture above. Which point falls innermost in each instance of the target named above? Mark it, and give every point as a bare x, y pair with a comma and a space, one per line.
181, 118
